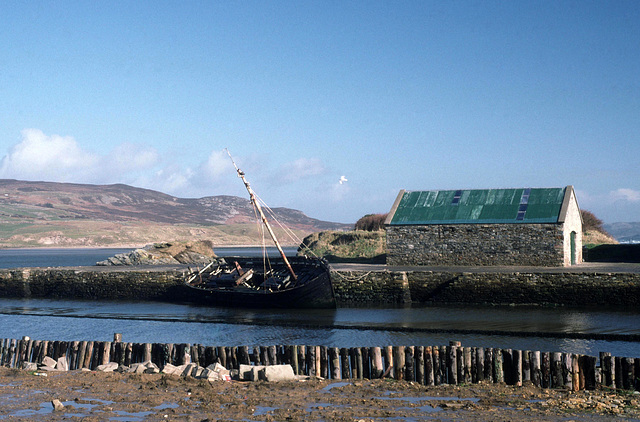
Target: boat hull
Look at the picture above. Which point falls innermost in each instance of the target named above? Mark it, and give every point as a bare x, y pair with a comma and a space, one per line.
315, 292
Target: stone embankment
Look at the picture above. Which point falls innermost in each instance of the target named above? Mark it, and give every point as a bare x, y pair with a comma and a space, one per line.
358, 286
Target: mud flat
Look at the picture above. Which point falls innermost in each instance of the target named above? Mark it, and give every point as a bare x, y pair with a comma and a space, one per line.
96, 396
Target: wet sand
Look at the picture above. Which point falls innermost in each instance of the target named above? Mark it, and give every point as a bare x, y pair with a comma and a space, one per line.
96, 396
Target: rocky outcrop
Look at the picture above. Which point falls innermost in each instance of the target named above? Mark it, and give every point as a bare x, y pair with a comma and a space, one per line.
166, 253
346, 246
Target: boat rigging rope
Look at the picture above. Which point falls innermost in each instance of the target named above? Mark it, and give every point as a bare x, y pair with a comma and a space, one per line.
351, 278
266, 263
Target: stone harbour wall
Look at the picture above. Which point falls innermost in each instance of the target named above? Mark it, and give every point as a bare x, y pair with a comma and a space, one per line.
352, 288
88, 283
476, 244
433, 287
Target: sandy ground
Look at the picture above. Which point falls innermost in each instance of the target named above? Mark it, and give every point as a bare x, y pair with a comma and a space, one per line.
96, 396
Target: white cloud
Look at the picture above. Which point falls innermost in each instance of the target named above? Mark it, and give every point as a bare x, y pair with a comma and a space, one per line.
132, 157
217, 164
38, 156
301, 168
623, 194
61, 159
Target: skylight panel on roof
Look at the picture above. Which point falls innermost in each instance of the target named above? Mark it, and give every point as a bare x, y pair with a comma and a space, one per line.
456, 197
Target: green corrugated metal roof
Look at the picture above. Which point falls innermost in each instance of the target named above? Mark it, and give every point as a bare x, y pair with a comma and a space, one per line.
479, 206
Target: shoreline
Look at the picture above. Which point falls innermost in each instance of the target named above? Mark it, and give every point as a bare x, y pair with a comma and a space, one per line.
124, 246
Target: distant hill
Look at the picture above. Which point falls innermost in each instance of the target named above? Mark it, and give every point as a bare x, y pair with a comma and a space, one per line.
67, 214
624, 232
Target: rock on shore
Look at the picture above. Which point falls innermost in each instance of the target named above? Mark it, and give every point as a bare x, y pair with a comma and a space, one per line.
165, 253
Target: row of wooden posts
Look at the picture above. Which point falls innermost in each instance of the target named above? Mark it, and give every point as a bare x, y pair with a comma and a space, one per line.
428, 365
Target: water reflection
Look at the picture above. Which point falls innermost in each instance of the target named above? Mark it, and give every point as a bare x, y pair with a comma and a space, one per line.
526, 328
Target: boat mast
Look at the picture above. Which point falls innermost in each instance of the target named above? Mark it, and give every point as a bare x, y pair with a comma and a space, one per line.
255, 203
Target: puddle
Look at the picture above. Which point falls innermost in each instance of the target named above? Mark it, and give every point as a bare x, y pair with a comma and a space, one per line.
47, 407
164, 406
263, 410
428, 409
335, 385
129, 416
427, 398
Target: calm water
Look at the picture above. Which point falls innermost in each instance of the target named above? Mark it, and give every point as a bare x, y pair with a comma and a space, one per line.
16, 258
527, 328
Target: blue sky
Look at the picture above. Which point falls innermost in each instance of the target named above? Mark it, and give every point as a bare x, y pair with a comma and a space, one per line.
417, 95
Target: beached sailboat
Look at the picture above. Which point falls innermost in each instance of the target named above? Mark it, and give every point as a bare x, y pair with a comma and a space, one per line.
284, 282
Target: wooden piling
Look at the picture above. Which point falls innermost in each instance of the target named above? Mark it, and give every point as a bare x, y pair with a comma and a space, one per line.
479, 364
324, 362
193, 351
3, 343
243, 356
359, 362
437, 380
556, 370
294, 359
35, 350
344, 361
353, 363
302, 370
271, 358
444, 356
388, 362
609, 370
128, 352
526, 366
545, 369
589, 369
409, 364
628, 373
366, 363
474, 365
88, 355
567, 370
419, 363
12, 353
507, 366
468, 365
498, 373
452, 364
517, 368
536, 373
311, 361
334, 359
575, 372
222, 356
146, 350
429, 378
488, 364
618, 371
377, 367
73, 355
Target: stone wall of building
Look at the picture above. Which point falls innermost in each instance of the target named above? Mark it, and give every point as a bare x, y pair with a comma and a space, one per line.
476, 244
572, 223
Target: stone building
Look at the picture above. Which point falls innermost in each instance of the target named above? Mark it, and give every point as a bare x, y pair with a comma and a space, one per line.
527, 226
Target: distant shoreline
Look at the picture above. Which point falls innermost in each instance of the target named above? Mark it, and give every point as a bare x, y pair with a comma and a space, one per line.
5, 248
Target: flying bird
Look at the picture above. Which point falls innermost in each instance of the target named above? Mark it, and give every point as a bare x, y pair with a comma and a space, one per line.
342, 179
